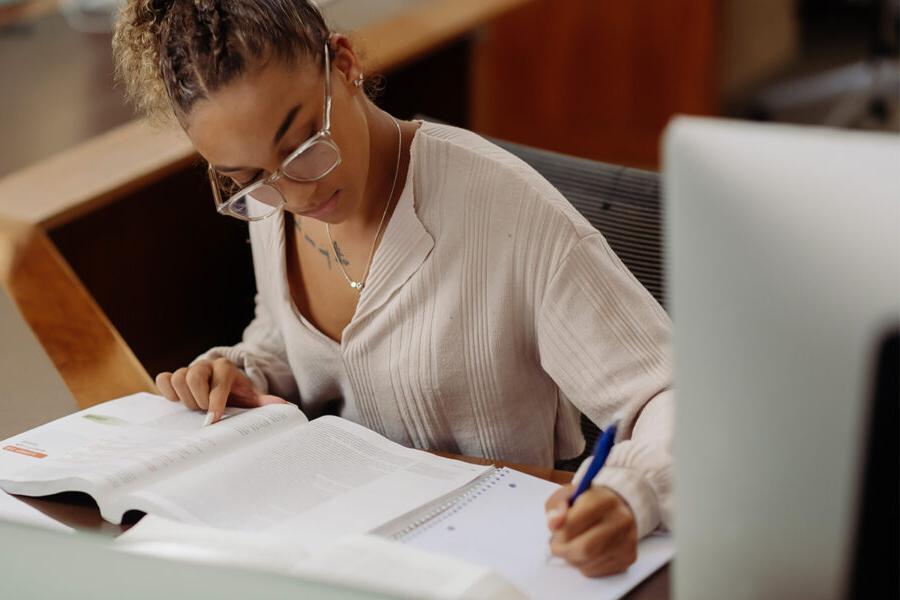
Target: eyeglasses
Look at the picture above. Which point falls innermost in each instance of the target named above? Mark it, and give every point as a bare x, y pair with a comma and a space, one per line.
312, 160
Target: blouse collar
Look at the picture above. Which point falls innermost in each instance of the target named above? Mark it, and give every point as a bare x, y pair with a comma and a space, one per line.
403, 248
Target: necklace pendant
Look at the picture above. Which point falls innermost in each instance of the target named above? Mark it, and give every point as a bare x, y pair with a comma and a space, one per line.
357, 285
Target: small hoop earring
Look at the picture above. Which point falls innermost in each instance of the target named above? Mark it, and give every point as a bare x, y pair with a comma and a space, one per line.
359, 80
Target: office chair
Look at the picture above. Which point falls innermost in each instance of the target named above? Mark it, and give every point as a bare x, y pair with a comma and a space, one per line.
624, 205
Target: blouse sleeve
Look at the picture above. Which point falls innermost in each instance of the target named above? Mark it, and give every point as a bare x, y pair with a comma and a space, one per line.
605, 341
261, 355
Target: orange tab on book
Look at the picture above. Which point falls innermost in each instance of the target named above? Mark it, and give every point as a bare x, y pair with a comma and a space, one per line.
25, 451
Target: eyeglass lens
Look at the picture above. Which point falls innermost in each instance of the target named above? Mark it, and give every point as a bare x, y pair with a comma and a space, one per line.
262, 201
314, 162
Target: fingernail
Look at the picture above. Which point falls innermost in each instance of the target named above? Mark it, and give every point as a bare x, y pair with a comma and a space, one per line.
210, 417
553, 514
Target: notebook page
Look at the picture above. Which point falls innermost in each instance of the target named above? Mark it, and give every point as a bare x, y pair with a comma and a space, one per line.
504, 528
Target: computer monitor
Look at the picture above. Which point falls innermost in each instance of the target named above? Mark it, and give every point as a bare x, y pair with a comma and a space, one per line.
31, 389
783, 260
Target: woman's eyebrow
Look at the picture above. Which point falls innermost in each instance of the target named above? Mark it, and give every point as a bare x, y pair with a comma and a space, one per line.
282, 129
286, 124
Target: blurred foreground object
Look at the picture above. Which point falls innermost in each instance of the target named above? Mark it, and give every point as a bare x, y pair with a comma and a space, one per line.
783, 249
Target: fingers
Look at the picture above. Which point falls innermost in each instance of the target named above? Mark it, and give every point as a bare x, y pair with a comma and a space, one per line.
210, 386
179, 382
592, 507
197, 378
599, 535
245, 395
556, 507
609, 564
188, 385
223, 375
606, 548
164, 385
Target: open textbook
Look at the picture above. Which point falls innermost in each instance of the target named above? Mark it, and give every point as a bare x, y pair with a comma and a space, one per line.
263, 469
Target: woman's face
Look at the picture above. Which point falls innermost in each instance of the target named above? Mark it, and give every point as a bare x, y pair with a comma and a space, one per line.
247, 128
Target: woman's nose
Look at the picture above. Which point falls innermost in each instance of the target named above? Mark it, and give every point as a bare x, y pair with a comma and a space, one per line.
296, 193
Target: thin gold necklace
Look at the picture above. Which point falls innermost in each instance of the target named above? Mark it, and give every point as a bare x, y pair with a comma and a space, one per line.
359, 285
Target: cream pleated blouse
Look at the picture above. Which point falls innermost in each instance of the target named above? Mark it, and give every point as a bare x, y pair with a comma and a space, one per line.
493, 314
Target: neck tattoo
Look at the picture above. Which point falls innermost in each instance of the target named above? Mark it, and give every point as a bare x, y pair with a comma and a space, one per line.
323, 250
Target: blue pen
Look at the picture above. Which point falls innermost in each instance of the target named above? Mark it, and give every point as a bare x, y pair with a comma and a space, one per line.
601, 452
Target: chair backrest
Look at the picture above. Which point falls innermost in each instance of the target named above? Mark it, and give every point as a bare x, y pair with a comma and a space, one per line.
624, 205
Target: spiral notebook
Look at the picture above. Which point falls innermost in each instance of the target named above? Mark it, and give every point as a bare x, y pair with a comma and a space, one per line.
498, 522
486, 540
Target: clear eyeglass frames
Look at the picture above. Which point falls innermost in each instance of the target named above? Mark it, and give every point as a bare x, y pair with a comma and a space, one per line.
312, 160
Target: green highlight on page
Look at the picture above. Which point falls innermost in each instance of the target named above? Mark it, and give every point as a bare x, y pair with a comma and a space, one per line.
105, 419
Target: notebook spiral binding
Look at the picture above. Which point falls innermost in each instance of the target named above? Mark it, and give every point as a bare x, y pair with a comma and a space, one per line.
450, 507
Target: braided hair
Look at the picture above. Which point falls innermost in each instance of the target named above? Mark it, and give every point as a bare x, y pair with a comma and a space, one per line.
172, 53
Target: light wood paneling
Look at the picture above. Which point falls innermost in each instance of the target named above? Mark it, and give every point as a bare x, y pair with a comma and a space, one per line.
89, 176
92, 358
25, 10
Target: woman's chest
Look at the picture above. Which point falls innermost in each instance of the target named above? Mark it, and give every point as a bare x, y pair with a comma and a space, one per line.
317, 277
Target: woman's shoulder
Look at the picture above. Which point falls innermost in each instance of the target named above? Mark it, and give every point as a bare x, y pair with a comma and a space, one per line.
446, 147
460, 163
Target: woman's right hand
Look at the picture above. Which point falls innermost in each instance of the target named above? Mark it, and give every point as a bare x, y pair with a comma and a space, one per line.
210, 385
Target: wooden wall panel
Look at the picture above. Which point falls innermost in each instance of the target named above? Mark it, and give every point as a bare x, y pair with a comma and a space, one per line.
595, 78
174, 277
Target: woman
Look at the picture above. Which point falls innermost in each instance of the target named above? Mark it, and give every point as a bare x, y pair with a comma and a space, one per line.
440, 288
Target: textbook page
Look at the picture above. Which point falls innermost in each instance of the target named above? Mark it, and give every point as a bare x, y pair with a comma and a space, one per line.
504, 528
363, 561
107, 420
117, 445
320, 481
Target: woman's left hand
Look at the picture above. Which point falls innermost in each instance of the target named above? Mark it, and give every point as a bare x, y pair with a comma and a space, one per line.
597, 534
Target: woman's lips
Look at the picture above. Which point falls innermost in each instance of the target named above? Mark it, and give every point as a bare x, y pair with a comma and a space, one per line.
323, 209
